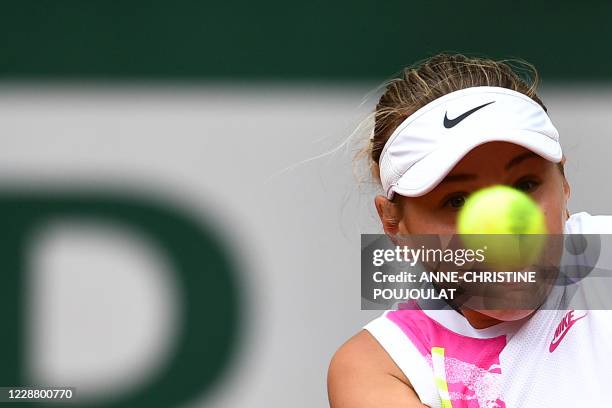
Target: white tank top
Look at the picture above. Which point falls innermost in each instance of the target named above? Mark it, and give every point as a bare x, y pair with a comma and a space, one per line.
555, 358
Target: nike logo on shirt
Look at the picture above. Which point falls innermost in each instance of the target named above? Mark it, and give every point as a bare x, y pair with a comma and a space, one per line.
563, 328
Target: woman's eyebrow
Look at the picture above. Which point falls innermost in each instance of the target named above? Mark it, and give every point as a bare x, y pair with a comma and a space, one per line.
520, 158
467, 177
459, 177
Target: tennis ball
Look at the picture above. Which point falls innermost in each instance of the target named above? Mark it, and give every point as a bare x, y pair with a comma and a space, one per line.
506, 223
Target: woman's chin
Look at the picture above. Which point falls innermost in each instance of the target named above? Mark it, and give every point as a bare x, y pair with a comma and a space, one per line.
507, 315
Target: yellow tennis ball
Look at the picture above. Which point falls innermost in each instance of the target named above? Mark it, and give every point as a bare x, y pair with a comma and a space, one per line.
513, 217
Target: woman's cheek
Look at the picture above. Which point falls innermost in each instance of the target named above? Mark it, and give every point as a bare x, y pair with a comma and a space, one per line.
554, 213
553, 201
423, 222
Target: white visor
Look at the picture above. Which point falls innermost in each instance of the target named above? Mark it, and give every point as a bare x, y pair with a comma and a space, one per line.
430, 142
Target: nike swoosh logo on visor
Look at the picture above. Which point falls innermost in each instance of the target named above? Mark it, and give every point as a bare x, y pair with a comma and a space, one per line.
449, 123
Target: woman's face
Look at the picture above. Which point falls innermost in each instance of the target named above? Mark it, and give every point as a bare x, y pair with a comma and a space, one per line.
486, 165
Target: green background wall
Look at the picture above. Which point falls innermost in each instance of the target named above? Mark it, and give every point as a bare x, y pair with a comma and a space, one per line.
347, 40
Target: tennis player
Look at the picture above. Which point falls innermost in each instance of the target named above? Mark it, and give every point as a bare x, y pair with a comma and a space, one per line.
448, 127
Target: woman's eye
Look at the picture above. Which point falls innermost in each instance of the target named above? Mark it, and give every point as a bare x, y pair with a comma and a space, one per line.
526, 185
456, 201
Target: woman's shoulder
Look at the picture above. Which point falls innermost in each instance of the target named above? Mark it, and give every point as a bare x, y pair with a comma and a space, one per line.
364, 352
362, 375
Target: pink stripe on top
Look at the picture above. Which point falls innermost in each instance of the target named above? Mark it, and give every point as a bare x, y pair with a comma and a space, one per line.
471, 365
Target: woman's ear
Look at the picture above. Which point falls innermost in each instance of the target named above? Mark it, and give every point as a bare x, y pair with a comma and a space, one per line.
389, 214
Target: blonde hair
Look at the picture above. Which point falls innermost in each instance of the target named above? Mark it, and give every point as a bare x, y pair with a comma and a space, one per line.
439, 75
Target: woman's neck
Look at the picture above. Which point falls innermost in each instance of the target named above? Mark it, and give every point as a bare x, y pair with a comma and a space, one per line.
479, 320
